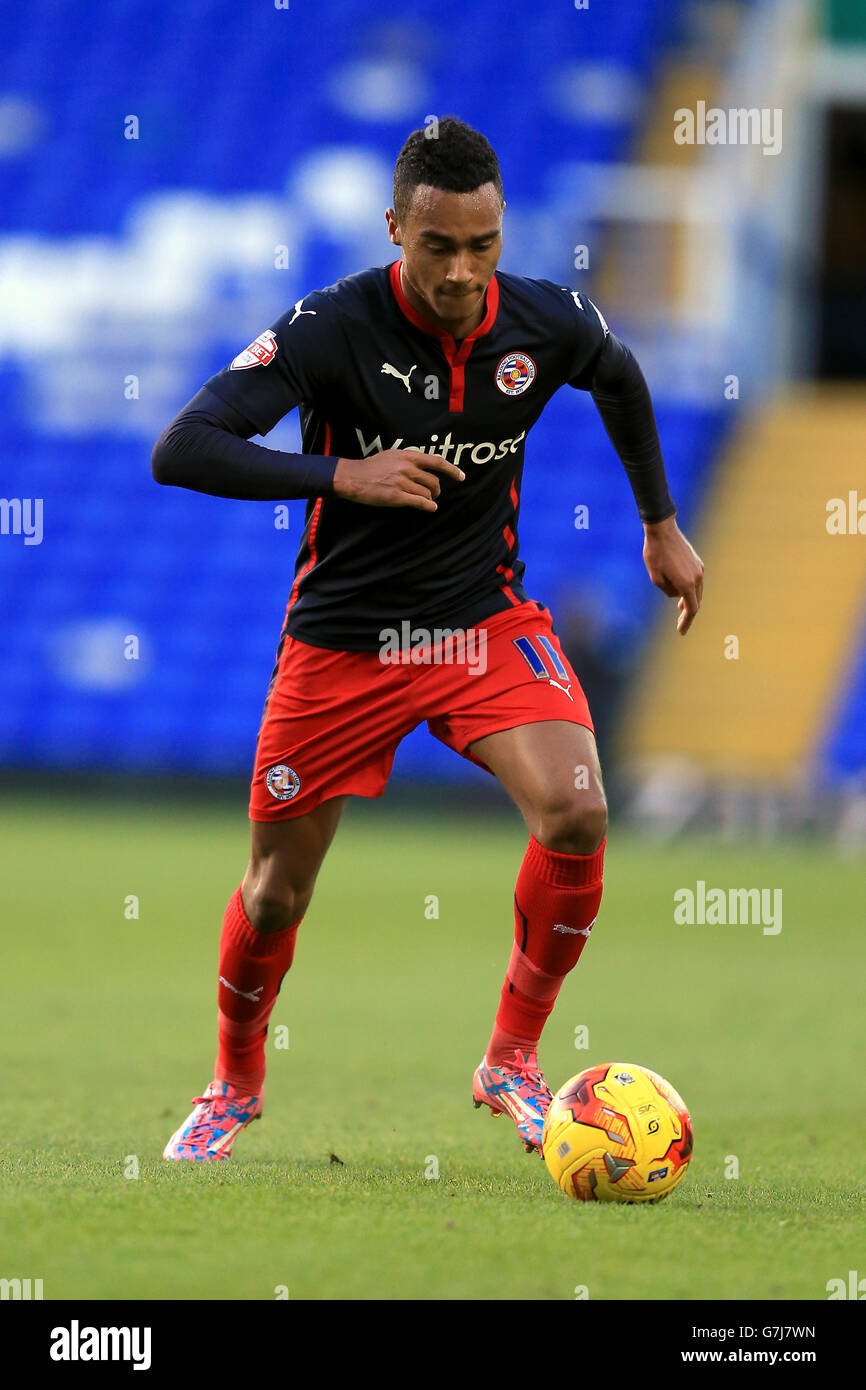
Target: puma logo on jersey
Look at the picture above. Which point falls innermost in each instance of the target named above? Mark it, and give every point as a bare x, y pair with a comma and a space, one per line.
576, 297
256, 995
566, 690
299, 311
388, 370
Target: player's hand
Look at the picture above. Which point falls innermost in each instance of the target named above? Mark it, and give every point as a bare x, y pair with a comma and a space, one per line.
675, 567
395, 478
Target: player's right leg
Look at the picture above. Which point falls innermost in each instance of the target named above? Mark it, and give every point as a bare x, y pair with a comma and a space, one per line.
331, 724
257, 946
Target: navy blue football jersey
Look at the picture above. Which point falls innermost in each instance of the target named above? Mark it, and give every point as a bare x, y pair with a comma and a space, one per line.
369, 373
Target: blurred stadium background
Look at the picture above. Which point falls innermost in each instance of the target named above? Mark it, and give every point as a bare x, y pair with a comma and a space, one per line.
172, 176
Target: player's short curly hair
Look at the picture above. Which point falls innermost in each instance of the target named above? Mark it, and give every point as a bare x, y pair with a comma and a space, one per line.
446, 154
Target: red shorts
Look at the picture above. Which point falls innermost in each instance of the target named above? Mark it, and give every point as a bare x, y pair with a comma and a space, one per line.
333, 720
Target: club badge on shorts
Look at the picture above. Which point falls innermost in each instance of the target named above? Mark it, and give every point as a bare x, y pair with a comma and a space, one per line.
515, 373
283, 782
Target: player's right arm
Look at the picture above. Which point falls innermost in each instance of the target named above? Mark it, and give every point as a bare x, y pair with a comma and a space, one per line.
395, 478
207, 447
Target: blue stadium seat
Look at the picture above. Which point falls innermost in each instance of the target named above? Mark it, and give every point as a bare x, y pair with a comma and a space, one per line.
204, 582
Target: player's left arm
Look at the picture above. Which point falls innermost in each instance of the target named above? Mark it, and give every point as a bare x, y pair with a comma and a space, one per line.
675, 567
609, 371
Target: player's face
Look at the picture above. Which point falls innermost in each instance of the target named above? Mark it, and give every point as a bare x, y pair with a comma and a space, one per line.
451, 244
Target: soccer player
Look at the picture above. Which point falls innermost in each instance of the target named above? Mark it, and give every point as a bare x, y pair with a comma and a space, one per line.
417, 384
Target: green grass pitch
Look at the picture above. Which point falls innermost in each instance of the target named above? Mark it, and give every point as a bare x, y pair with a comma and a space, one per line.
108, 1026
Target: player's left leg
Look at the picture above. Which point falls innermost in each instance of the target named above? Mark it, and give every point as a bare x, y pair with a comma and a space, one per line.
551, 771
510, 700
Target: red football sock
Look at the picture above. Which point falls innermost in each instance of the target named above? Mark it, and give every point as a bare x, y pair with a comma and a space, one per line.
251, 969
554, 891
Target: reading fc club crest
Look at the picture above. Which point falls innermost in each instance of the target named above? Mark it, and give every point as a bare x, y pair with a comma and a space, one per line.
515, 373
283, 782
258, 354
